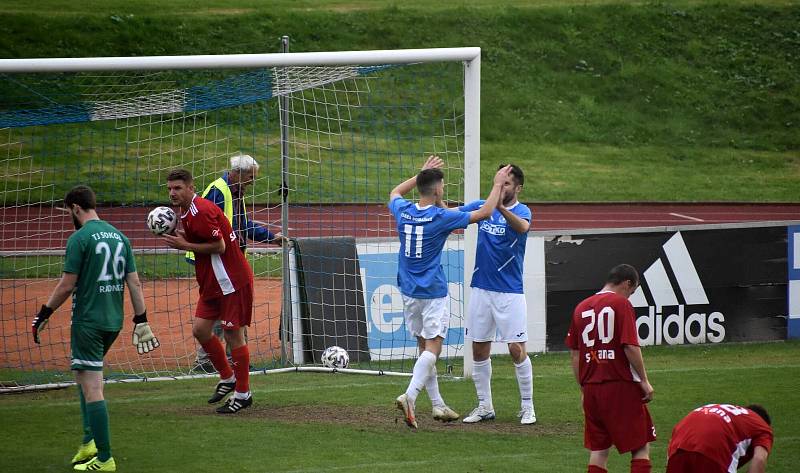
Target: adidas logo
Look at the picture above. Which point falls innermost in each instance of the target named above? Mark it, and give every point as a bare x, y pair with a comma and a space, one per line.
675, 327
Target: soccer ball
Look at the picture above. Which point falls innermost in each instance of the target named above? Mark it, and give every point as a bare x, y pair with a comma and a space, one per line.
162, 220
335, 357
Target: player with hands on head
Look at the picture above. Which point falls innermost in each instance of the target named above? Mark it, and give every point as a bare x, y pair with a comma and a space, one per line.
608, 365
98, 264
423, 228
497, 309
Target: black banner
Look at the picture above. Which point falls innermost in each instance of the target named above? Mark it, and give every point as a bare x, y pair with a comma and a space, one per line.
697, 286
332, 299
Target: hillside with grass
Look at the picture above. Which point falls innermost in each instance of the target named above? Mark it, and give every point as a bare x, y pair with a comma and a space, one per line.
598, 101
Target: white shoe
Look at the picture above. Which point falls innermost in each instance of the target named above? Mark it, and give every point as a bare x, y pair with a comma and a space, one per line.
444, 414
479, 414
404, 404
527, 416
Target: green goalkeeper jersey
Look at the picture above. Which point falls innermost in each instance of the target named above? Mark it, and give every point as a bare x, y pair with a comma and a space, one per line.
101, 256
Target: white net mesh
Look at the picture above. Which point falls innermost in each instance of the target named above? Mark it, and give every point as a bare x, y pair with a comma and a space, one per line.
353, 134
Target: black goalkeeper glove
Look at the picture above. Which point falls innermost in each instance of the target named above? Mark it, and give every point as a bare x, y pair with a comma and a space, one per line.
40, 322
143, 338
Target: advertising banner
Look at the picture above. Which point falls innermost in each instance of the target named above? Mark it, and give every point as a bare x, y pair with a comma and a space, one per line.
697, 286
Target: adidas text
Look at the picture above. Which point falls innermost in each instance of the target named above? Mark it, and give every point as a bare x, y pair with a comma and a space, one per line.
677, 328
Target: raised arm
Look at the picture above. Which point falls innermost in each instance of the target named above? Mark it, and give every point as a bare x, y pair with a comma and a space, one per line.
408, 185
488, 207
517, 223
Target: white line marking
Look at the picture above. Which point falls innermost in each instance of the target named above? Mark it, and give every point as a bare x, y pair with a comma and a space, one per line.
687, 217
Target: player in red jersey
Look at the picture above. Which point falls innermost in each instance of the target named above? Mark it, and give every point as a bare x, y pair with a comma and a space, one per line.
608, 365
719, 438
226, 288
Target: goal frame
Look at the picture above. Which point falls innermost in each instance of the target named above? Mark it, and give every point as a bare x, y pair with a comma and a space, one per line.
469, 56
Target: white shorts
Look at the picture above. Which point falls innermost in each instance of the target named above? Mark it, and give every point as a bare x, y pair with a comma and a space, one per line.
497, 317
427, 318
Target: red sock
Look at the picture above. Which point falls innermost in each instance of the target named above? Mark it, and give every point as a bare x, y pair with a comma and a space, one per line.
241, 366
640, 465
216, 353
596, 469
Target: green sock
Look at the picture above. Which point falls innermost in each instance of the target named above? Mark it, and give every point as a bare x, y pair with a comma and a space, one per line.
98, 418
87, 429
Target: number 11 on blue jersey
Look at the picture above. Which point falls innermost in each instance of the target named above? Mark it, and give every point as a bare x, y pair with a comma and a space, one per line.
413, 230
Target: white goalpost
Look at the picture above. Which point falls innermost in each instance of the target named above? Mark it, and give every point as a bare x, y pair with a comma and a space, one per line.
333, 133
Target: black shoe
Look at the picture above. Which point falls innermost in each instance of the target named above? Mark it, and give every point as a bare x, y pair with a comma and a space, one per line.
223, 389
234, 405
204, 367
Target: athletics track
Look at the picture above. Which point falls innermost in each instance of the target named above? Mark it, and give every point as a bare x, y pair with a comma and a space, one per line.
47, 229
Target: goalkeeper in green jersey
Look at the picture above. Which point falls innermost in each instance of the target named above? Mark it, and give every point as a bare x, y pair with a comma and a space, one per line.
98, 264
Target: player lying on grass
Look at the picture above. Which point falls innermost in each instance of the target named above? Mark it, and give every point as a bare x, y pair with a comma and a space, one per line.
423, 229
98, 264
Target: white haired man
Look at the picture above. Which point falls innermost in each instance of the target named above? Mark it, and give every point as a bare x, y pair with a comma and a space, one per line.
228, 193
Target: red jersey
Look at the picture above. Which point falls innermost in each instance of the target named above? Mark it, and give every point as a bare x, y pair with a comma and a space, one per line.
217, 274
601, 325
723, 433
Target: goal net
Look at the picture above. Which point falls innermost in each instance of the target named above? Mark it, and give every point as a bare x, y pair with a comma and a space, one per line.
333, 133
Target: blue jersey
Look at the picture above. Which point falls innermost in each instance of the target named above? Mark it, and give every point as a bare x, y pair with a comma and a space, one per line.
500, 251
423, 232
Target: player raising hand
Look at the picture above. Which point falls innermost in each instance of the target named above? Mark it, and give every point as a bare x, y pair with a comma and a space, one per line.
423, 228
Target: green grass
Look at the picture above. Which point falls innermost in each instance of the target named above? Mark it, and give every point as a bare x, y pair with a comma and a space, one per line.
319, 422
599, 100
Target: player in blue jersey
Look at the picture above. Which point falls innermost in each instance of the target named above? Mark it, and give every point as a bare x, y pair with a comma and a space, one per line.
423, 229
497, 310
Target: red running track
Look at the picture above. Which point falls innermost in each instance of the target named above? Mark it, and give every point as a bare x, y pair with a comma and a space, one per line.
44, 228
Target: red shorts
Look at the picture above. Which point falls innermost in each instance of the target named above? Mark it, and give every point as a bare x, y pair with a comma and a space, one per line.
684, 461
614, 414
233, 310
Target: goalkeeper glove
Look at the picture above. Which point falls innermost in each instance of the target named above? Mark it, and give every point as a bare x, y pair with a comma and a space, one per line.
40, 321
143, 338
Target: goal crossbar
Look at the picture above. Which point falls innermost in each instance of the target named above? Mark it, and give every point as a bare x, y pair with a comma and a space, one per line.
229, 61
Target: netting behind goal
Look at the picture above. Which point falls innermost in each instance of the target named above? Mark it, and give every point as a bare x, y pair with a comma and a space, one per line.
352, 133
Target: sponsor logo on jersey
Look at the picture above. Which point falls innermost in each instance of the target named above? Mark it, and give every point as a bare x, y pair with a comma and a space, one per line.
492, 228
669, 320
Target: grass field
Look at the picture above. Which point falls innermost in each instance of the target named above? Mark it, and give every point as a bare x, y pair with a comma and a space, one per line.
599, 100
303, 422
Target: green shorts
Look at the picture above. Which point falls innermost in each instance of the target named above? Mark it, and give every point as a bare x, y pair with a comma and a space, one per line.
89, 346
